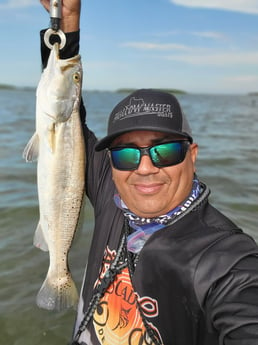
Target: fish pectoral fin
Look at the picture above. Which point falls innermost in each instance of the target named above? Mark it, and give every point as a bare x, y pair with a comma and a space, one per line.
31, 150
39, 240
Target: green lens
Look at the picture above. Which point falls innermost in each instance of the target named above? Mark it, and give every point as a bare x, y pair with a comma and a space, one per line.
126, 158
168, 153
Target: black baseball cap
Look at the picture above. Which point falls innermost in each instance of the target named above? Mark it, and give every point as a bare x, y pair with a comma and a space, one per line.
149, 110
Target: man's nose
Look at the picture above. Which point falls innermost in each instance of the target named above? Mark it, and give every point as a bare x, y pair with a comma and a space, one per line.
146, 166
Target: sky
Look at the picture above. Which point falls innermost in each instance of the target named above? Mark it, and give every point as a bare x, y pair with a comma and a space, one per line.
199, 46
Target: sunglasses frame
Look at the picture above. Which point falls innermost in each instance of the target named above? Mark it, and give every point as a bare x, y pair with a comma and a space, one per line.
145, 151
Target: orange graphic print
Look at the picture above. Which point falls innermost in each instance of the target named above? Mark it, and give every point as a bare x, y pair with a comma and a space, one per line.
117, 320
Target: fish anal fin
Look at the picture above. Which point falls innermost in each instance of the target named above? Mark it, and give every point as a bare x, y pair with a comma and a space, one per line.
39, 240
31, 150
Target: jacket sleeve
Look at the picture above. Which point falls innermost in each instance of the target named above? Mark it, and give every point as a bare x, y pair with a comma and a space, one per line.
226, 286
232, 304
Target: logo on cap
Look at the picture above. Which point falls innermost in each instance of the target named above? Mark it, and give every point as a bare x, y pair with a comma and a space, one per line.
137, 107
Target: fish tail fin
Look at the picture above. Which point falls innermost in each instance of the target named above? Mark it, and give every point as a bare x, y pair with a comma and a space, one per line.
58, 293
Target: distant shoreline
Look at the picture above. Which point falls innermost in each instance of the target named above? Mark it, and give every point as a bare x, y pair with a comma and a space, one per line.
120, 90
166, 90
14, 88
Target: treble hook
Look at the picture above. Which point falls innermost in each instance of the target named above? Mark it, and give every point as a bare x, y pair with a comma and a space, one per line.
55, 18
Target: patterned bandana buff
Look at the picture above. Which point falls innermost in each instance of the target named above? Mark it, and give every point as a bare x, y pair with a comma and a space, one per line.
145, 227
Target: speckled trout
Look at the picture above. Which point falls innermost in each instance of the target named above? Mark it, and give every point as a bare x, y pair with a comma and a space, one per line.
58, 146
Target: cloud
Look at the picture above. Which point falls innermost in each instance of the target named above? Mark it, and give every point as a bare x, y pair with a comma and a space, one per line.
245, 6
240, 83
217, 58
197, 55
242, 79
204, 34
155, 46
210, 34
11, 4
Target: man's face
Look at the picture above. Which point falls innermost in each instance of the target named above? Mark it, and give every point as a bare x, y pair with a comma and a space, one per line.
150, 191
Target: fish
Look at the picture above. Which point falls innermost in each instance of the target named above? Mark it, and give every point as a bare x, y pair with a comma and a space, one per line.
58, 146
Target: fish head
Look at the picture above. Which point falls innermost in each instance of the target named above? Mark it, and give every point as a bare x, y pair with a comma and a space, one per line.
59, 89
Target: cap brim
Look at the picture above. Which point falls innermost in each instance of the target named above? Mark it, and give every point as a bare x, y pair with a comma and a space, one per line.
107, 141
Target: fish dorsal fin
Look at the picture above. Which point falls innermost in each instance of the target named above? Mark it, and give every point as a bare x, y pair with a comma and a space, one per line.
31, 150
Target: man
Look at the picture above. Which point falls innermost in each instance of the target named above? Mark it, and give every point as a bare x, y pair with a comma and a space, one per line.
165, 267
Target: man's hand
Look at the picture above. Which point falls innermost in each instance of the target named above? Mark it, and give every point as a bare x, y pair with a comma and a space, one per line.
71, 10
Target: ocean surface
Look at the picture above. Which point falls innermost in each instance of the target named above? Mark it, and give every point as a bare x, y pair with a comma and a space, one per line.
225, 128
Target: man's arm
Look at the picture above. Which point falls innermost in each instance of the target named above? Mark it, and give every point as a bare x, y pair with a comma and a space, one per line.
232, 304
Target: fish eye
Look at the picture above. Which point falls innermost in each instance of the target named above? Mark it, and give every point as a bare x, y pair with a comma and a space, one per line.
76, 77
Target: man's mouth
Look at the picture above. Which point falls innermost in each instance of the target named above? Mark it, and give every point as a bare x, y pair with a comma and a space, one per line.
151, 188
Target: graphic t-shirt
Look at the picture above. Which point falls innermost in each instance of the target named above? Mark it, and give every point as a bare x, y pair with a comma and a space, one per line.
117, 319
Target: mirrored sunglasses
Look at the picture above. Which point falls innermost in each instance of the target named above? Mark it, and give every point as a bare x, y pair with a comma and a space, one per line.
161, 155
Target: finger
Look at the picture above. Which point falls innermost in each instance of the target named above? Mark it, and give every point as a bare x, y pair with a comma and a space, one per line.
45, 4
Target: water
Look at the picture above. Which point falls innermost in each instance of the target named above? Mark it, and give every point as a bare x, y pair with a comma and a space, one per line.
226, 129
